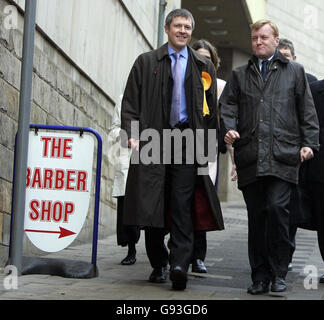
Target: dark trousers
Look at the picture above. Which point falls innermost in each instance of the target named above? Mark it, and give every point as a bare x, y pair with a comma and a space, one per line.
181, 181
292, 240
156, 250
267, 202
316, 190
180, 188
200, 245
125, 234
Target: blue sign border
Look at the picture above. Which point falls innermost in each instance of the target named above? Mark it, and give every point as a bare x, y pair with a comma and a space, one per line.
98, 176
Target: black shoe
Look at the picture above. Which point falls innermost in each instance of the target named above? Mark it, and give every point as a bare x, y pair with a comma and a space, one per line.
198, 266
128, 260
179, 278
259, 287
321, 279
159, 275
278, 285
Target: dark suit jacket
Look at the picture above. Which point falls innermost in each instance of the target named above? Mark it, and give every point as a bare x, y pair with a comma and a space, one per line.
315, 170
310, 78
302, 207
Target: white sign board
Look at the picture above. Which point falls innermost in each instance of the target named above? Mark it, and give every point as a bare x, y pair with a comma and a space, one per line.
58, 187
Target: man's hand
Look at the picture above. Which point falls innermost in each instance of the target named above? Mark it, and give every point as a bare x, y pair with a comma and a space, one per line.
231, 136
133, 144
306, 153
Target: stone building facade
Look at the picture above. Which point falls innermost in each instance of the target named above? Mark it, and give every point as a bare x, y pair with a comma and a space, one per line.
84, 51
301, 22
80, 69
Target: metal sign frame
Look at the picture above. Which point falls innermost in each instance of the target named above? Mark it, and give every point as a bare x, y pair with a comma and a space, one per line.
76, 274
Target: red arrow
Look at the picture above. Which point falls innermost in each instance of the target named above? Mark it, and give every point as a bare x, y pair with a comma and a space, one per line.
63, 232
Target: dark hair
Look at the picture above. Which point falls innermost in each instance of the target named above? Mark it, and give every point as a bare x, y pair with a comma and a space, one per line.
204, 44
179, 13
286, 44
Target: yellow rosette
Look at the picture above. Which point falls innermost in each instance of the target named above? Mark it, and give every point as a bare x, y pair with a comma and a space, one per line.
206, 81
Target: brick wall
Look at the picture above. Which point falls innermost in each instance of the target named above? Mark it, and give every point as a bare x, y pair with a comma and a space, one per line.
62, 95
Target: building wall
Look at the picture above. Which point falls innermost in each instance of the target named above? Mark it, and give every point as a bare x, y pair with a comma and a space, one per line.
83, 53
302, 23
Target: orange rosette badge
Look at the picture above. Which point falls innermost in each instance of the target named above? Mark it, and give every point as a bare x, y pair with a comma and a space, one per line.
206, 81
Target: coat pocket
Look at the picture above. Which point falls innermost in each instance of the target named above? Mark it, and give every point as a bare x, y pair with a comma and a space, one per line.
245, 152
286, 148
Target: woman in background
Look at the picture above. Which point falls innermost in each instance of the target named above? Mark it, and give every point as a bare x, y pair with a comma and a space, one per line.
126, 235
206, 49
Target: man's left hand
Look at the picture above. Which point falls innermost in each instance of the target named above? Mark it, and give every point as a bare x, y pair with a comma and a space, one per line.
306, 153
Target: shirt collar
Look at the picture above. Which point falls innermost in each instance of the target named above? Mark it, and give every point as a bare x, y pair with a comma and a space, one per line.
183, 52
260, 61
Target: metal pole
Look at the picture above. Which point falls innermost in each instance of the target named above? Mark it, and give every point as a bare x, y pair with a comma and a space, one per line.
163, 4
17, 225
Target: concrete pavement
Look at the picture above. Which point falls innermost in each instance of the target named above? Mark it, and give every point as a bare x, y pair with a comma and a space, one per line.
227, 279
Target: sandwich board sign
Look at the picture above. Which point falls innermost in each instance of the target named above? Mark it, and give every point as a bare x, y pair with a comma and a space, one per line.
58, 187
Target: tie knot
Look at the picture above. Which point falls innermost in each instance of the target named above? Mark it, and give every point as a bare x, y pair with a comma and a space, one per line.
176, 55
264, 63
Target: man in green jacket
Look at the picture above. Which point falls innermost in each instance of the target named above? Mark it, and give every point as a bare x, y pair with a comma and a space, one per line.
268, 114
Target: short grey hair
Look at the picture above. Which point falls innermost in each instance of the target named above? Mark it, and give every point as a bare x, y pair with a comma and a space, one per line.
179, 13
287, 44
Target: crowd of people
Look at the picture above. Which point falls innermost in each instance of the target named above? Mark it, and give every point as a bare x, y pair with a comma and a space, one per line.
267, 116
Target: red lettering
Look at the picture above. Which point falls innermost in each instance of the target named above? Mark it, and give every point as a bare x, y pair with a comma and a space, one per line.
46, 141
34, 205
46, 208
48, 179
70, 179
36, 179
57, 211
56, 148
66, 148
68, 209
28, 177
82, 180
48, 211
59, 179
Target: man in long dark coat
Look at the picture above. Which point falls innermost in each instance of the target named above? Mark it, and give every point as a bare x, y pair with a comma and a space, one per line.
268, 114
160, 193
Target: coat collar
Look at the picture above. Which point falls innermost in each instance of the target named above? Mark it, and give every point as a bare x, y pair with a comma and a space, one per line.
278, 56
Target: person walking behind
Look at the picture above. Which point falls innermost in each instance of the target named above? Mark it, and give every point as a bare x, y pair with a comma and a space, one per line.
206, 49
286, 47
312, 181
126, 235
268, 114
